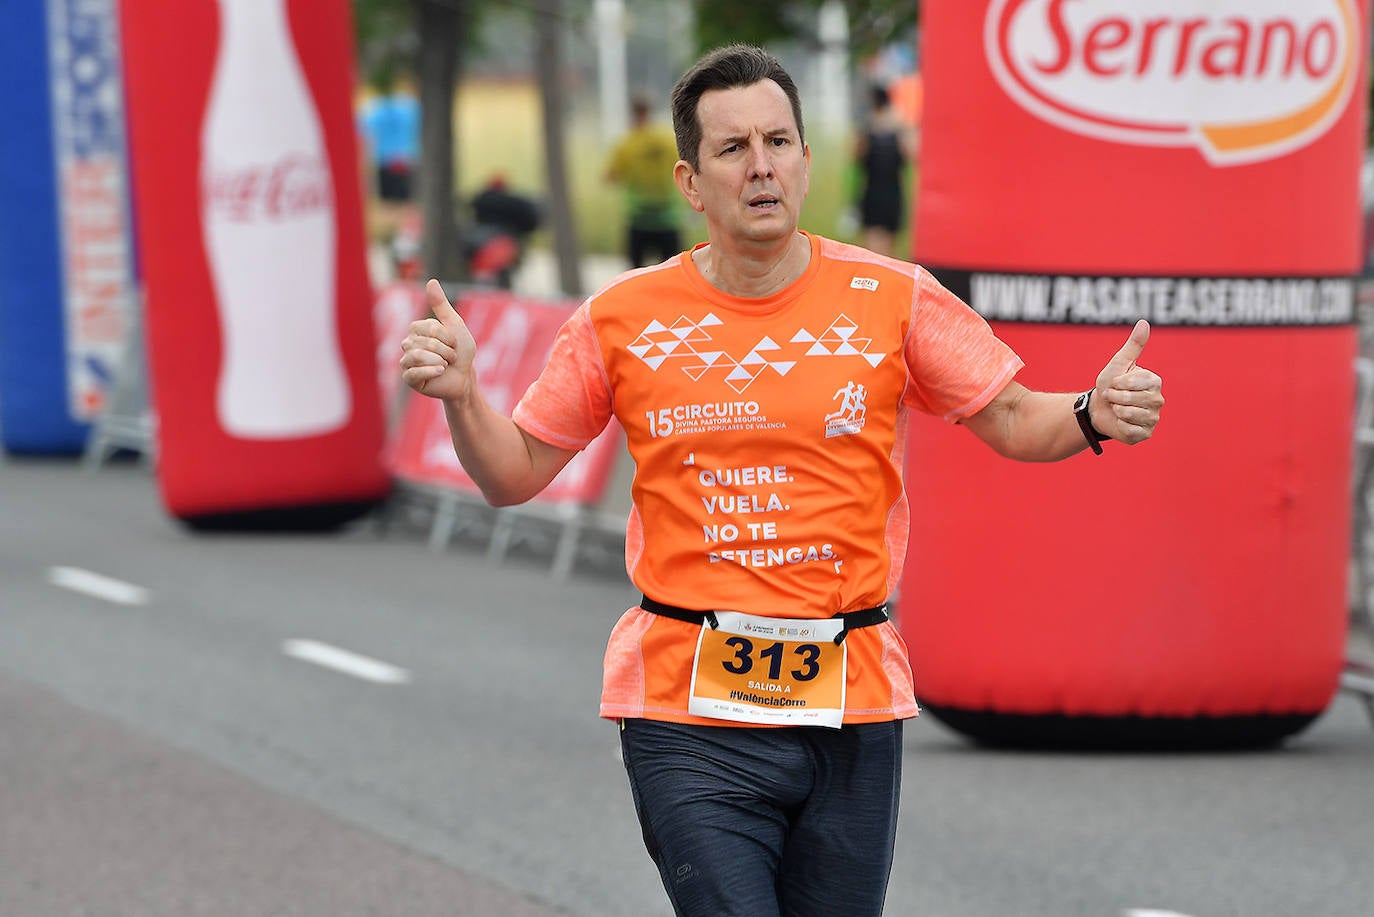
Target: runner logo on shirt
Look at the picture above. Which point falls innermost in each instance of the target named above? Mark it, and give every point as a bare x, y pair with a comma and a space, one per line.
849, 418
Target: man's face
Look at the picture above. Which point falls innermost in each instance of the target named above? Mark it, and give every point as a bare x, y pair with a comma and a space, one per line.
754, 170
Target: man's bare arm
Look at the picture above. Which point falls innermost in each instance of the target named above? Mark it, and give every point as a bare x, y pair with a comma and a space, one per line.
1040, 427
505, 462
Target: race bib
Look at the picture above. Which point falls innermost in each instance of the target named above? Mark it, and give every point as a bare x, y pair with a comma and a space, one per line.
771, 671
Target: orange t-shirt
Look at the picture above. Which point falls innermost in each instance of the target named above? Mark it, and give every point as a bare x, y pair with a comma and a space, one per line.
767, 436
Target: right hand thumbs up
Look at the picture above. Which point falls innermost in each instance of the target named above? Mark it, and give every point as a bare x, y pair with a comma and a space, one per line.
437, 354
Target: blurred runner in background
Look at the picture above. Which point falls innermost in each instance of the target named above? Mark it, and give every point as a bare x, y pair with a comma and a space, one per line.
502, 221
642, 164
883, 153
389, 125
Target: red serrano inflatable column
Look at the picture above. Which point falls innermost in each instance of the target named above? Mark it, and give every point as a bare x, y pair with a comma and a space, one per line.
1088, 163
249, 216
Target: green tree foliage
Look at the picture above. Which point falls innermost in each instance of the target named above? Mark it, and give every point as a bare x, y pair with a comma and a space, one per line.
872, 23
387, 40
384, 32
720, 22
386, 37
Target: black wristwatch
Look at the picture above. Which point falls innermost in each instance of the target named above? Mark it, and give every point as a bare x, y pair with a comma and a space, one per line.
1085, 422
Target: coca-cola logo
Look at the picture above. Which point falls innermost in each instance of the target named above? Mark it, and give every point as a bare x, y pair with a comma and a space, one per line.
1240, 80
293, 186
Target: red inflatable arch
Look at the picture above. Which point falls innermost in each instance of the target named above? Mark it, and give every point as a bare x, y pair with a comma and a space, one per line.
1086, 165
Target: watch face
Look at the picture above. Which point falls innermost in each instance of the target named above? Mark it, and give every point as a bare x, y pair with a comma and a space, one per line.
1080, 402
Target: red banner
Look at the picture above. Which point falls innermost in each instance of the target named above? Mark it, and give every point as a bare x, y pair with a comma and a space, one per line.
397, 305
249, 218
514, 339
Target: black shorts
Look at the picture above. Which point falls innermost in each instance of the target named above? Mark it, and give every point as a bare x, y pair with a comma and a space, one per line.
881, 211
650, 246
393, 183
744, 821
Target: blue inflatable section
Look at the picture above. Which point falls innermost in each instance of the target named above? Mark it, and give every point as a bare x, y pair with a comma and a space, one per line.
34, 412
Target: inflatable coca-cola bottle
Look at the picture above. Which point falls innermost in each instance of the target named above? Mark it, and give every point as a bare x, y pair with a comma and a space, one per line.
253, 262
268, 211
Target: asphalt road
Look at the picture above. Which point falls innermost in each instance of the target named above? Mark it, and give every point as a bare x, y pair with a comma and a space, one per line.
178, 740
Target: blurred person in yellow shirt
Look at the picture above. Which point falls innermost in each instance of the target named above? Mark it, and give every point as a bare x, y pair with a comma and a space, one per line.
642, 164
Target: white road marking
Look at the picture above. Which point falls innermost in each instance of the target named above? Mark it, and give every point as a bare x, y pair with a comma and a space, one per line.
101, 587
343, 661
1149, 912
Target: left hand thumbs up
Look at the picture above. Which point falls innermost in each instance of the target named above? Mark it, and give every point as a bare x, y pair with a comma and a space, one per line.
1126, 403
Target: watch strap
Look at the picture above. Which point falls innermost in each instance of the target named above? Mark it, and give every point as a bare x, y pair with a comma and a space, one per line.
1083, 415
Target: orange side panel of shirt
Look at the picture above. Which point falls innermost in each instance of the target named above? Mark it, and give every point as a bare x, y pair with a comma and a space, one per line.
767, 436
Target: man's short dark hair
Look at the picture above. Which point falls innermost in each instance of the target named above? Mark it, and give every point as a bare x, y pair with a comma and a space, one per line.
726, 67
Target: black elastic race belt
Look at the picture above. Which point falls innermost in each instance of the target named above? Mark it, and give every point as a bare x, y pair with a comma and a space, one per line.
853, 620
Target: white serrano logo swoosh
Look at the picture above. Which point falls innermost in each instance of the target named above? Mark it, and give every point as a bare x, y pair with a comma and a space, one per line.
1239, 80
